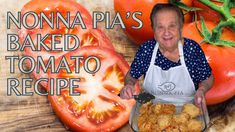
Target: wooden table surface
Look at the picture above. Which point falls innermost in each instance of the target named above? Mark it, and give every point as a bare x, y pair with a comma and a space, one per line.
34, 113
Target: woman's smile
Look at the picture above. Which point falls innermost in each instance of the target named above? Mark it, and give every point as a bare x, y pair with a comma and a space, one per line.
167, 28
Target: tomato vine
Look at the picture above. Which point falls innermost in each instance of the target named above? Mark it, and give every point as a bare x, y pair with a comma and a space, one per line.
227, 20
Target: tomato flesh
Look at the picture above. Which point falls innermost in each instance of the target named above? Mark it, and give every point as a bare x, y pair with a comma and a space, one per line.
98, 108
87, 36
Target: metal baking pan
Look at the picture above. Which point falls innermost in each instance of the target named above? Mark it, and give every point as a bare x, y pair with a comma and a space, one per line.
145, 97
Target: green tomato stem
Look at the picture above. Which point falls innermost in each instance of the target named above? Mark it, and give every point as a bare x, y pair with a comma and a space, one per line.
216, 32
211, 5
223, 10
226, 10
228, 20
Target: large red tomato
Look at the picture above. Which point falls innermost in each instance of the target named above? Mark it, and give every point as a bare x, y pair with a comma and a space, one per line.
223, 69
207, 13
87, 36
144, 6
190, 31
98, 108
221, 61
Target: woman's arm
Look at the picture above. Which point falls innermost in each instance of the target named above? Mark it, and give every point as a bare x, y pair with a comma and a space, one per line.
129, 80
129, 87
204, 86
138, 68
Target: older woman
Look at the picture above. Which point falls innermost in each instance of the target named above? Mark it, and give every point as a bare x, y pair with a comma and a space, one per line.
175, 68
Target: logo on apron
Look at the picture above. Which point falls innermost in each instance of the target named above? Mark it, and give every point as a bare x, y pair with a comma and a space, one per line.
167, 86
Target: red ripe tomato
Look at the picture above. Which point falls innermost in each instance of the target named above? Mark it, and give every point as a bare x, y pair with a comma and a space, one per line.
190, 31
221, 61
98, 108
87, 37
222, 64
145, 6
207, 13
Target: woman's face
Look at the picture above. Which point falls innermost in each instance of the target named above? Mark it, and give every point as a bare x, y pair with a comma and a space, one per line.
167, 29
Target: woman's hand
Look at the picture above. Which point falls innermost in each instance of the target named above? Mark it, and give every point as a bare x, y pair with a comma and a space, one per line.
127, 92
200, 98
129, 89
204, 86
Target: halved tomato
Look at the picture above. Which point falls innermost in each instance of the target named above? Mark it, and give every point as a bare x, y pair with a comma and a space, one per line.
221, 61
49, 6
62, 6
87, 36
98, 108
